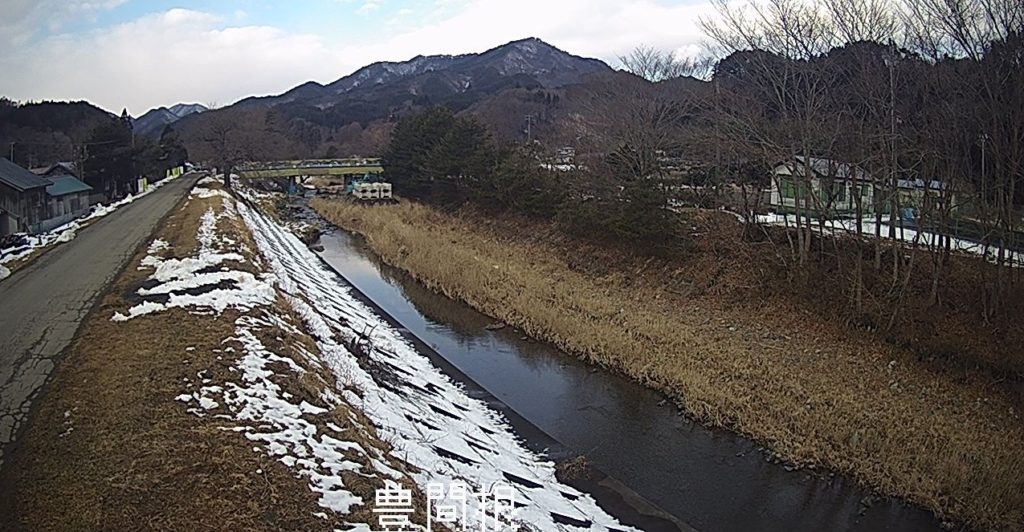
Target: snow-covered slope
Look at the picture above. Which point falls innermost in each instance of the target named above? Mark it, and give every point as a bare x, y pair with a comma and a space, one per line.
526, 62
432, 423
154, 121
438, 427
182, 110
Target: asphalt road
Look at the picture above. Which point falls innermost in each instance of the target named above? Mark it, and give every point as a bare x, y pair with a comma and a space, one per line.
43, 303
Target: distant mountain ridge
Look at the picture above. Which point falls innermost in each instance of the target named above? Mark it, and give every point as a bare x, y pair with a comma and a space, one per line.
353, 114
529, 61
154, 121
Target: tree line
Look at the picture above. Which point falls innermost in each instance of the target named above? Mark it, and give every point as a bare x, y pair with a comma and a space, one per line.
113, 158
925, 95
451, 161
108, 156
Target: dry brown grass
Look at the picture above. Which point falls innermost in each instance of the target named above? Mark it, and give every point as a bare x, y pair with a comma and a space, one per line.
813, 391
134, 458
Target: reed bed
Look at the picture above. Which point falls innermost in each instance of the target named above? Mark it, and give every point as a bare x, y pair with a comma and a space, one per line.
815, 393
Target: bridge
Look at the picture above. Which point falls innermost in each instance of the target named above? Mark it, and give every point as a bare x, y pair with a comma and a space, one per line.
300, 170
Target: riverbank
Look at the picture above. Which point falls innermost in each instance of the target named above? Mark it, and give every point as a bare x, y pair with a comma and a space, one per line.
812, 392
195, 397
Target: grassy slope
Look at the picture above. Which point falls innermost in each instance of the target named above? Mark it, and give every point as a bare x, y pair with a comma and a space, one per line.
111, 448
809, 389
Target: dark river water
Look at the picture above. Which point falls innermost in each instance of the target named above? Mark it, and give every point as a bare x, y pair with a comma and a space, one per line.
707, 479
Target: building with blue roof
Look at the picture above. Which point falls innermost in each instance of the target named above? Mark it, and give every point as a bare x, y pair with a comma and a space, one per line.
22, 199
33, 204
67, 199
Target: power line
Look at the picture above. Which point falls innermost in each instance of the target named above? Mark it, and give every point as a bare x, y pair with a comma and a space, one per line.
73, 144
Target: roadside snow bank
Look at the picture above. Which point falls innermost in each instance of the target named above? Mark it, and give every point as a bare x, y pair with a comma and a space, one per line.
67, 232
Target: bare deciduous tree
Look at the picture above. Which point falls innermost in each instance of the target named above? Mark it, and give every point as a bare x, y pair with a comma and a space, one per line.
226, 138
658, 65
863, 20
774, 92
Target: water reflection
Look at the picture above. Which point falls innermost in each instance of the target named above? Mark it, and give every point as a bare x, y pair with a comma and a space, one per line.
712, 480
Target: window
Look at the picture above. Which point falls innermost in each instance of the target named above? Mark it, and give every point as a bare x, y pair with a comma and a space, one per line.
789, 189
786, 186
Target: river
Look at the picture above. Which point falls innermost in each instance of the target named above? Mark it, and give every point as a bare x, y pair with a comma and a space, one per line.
709, 480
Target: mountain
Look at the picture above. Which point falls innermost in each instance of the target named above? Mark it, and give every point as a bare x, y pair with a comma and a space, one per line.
527, 62
42, 133
306, 91
353, 114
154, 121
182, 110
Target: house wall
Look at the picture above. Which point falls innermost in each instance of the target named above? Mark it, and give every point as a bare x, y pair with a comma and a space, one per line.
921, 199
26, 209
785, 188
9, 202
62, 209
97, 197
8, 223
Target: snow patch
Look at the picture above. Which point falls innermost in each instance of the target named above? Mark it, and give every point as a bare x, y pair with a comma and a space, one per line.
189, 281
67, 232
431, 420
203, 193
924, 239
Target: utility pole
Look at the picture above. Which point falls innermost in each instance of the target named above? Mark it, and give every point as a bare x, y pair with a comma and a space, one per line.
983, 138
82, 155
894, 216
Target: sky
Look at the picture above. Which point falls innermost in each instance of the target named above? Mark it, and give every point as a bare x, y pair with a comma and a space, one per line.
141, 54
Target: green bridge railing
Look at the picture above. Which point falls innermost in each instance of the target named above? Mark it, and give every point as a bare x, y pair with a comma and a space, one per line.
311, 167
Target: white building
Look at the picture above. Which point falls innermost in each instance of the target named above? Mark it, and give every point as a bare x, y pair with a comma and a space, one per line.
372, 191
832, 186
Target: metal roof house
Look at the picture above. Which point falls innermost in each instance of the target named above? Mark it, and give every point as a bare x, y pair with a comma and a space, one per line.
57, 169
22, 199
34, 204
832, 185
67, 199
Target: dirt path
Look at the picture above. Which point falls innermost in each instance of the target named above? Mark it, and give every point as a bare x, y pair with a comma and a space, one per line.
42, 304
